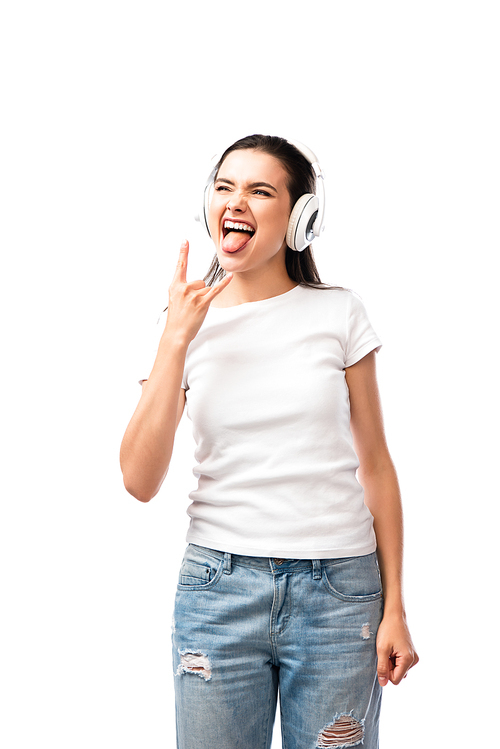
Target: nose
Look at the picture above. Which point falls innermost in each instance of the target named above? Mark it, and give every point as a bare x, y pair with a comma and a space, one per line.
236, 203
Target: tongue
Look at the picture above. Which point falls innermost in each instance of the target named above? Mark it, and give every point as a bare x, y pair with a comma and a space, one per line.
235, 240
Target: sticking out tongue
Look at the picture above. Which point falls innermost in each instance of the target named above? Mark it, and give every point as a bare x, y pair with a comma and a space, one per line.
235, 240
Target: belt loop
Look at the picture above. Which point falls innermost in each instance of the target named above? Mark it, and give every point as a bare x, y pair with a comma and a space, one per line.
317, 569
227, 563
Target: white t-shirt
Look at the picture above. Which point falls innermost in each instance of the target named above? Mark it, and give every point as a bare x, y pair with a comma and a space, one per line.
266, 392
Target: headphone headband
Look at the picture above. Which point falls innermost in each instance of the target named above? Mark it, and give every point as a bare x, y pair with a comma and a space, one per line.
306, 217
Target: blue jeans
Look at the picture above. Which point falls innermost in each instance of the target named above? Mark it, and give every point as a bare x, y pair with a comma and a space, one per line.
245, 627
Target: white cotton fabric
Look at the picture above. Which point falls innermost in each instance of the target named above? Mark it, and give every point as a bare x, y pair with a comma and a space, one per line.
266, 393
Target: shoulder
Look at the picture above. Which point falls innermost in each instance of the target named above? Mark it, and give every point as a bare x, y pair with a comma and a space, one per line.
324, 292
335, 298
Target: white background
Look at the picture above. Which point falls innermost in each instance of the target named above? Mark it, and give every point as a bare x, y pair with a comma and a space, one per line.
111, 112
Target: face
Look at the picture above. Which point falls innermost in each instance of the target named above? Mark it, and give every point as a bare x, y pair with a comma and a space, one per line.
250, 192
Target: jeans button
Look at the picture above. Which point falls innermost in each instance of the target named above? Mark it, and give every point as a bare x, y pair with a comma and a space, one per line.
278, 561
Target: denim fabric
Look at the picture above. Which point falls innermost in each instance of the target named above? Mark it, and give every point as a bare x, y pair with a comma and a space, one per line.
245, 627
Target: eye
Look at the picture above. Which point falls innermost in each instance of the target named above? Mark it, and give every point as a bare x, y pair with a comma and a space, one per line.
220, 188
263, 192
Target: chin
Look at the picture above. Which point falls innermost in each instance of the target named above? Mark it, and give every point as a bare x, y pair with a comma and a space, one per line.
223, 262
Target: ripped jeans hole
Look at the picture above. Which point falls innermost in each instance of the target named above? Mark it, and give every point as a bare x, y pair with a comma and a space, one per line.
365, 631
345, 731
195, 662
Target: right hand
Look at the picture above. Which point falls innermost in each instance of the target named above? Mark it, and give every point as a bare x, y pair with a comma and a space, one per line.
188, 303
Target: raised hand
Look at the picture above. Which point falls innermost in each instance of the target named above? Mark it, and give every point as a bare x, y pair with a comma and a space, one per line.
189, 302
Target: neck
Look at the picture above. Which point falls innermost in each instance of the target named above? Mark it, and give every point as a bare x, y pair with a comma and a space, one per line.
253, 287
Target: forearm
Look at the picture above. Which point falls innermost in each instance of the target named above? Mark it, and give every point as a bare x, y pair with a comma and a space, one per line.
383, 499
377, 475
148, 442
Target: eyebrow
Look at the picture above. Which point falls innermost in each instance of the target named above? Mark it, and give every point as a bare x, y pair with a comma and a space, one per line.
251, 184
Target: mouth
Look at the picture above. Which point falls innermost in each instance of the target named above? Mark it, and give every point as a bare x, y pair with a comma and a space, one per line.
236, 235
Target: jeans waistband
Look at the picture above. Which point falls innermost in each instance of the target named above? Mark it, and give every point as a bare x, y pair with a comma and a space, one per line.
266, 564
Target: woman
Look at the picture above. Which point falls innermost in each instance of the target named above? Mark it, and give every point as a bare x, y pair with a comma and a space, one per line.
292, 576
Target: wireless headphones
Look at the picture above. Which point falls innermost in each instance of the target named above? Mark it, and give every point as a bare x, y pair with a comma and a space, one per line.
306, 218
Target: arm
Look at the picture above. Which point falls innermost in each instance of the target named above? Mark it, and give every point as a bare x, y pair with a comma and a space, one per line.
148, 442
377, 475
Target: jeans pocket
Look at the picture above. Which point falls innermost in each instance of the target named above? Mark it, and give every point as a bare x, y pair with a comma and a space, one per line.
199, 570
353, 579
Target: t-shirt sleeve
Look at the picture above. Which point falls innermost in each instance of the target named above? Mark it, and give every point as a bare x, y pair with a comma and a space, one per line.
361, 337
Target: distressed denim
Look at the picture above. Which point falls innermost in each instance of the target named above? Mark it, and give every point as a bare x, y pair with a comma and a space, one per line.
246, 627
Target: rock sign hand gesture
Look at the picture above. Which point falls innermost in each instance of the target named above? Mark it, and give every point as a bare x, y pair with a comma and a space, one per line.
189, 302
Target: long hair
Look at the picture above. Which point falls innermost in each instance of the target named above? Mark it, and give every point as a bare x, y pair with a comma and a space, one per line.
300, 266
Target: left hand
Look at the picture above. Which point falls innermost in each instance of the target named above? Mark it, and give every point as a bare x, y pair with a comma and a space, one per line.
395, 650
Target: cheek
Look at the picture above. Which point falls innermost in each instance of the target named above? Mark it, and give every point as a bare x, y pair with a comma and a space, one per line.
280, 229
213, 229
213, 223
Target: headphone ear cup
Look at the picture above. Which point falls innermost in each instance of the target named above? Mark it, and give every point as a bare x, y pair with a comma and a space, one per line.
299, 234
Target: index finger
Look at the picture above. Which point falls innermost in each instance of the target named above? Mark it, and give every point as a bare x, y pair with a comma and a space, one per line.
181, 269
